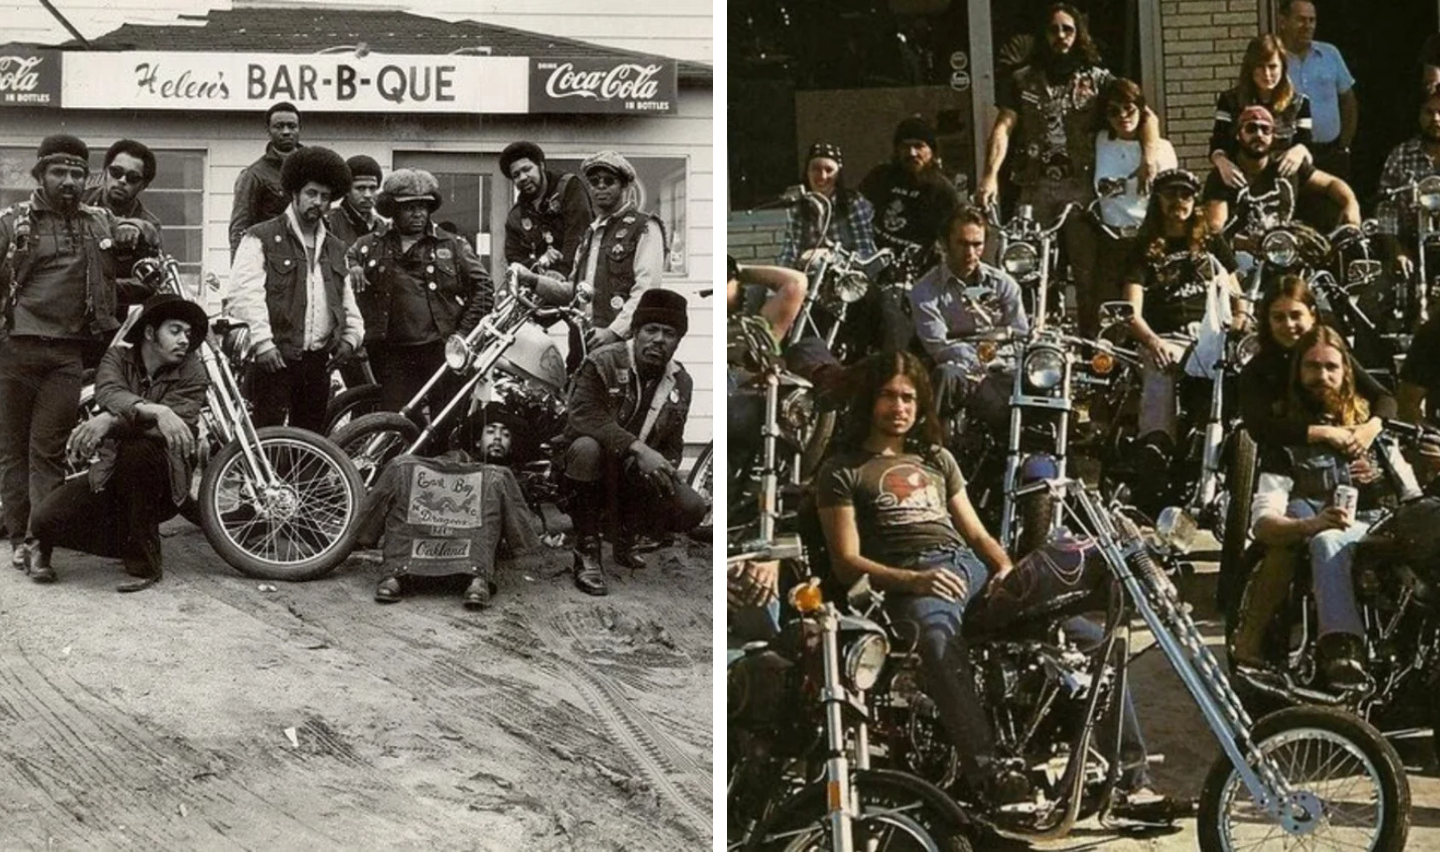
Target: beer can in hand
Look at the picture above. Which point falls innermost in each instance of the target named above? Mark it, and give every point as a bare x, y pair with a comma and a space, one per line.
1347, 497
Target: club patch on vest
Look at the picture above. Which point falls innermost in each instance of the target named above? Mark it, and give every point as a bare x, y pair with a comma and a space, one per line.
616, 302
444, 253
526, 223
440, 548
444, 499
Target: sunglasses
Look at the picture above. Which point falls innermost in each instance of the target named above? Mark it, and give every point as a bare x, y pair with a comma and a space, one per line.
1255, 128
600, 181
132, 178
1179, 192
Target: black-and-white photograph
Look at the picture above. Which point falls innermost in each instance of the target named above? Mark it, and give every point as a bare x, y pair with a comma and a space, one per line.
1081, 457
356, 402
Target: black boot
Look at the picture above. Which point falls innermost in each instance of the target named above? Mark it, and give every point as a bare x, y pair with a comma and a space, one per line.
1342, 660
586, 513
627, 551
38, 566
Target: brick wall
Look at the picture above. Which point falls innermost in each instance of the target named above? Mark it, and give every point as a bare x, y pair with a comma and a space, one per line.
1203, 43
755, 236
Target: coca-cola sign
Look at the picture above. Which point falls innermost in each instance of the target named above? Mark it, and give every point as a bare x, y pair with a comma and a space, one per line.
645, 85
29, 77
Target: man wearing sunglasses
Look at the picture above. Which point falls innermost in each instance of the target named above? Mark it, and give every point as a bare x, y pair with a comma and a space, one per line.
129, 168
1266, 199
623, 253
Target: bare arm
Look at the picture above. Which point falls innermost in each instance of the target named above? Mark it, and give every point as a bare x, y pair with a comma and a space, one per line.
974, 532
843, 539
1349, 116
1340, 193
995, 151
787, 287
1217, 211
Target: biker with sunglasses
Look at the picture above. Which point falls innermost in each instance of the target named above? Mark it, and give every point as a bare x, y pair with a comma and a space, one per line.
129, 167
622, 254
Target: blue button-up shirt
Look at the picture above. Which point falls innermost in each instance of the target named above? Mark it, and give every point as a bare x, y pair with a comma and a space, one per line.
1323, 77
940, 310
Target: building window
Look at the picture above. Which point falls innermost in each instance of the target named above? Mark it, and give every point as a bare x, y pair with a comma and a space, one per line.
661, 189
176, 197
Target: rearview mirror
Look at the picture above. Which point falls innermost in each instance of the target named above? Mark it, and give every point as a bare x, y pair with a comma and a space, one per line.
1113, 313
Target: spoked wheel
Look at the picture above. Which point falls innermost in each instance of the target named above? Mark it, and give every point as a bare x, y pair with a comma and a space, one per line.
298, 527
373, 440
1347, 783
350, 404
882, 832
891, 818
702, 480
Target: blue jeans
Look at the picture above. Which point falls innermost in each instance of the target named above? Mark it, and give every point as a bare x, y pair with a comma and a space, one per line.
1332, 553
1134, 757
40, 382
933, 624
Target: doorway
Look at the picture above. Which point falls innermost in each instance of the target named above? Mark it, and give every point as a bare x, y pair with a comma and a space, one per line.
474, 199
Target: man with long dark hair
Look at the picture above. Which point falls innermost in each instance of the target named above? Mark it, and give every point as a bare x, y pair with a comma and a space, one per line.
1048, 115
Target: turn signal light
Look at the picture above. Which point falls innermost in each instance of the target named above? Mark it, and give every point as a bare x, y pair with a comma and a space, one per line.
985, 351
807, 598
1102, 363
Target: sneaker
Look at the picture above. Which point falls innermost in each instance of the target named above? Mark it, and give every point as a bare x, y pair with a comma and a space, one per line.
1144, 804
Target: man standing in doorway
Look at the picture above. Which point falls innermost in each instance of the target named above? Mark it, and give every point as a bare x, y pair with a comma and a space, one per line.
547, 222
1318, 71
623, 253
355, 215
290, 284
259, 195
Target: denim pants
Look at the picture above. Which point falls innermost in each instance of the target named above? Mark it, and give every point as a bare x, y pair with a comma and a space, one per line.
988, 400
40, 380
1134, 757
1159, 410
1332, 553
933, 623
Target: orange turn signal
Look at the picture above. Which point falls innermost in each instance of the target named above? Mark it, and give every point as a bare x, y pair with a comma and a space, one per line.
985, 351
807, 598
1102, 363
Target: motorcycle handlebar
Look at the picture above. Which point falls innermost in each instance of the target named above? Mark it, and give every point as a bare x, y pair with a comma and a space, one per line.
1412, 432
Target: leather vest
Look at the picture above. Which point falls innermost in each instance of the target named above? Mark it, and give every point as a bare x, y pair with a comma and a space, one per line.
615, 271
20, 221
1072, 105
286, 295
433, 269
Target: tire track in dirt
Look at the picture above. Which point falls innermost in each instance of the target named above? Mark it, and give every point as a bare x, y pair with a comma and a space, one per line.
111, 768
458, 689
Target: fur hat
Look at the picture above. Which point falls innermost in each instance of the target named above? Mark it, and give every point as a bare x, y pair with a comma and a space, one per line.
662, 306
915, 127
318, 164
60, 148
520, 151
610, 161
166, 306
407, 185
362, 165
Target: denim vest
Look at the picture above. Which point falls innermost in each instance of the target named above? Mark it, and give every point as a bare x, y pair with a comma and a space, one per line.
286, 295
20, 221
615, 271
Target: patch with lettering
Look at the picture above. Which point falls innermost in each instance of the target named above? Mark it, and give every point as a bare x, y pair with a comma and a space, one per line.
440, 548
444, 499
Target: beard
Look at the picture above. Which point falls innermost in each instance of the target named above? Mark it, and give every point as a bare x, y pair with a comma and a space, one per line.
1325, 402
1059, 66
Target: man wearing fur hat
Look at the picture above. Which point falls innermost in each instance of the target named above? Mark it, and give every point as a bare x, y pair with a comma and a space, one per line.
260, 194
57, 295
626, 433
150, 393
622, 254
290, 284
545, 225
418, 284
354, 215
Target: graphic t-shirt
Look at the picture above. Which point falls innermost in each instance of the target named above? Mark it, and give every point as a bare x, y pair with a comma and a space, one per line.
1265, 201
901, 502
909, 212
1177, 285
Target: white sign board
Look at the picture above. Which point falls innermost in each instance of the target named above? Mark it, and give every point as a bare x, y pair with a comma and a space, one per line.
313, 82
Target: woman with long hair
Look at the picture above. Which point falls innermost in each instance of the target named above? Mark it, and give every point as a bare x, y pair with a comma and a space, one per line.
1264, 80
1286, 314
1120, 119
851, 214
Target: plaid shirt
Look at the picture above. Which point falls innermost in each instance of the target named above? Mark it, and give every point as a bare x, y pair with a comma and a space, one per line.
1407, 162
854, 231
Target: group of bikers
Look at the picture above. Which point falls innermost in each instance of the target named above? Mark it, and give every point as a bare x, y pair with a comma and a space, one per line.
892, 501
334, 264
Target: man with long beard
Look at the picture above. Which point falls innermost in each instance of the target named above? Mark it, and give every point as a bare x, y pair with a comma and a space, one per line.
1295, 505
1048, 115
1414, 159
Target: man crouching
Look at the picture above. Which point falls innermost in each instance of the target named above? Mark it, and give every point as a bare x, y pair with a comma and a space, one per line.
626, 430
143, 443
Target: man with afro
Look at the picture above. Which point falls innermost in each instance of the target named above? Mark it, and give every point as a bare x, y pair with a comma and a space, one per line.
290, 284
544, 227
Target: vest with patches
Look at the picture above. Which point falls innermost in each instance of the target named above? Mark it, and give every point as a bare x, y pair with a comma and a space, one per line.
286, 295
615, 270
20, 222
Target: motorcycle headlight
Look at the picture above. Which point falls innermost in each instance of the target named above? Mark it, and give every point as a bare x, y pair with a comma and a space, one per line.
797, 412
1020, 259
1280, 248
1044, 368
864, 660
457, 353
1428, 194
1247, 348
1176, 529
849, 287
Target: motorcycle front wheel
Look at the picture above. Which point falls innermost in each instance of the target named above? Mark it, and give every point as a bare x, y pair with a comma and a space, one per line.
891, 819
349, 405
301, 525
371, 441
702, 481
1343, 762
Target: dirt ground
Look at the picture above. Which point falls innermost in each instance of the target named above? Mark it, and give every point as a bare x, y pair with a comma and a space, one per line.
210, 712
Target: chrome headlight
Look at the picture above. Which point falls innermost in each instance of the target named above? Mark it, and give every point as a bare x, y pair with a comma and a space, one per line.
1280, 248
865, 660
1176, 529
1044, 368
457, 353
1020, 259
796, 413
1428, 194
